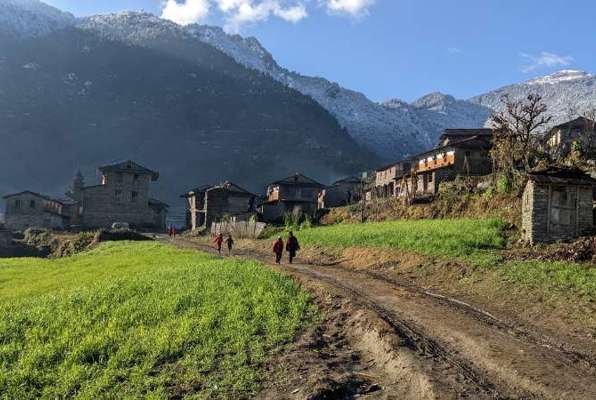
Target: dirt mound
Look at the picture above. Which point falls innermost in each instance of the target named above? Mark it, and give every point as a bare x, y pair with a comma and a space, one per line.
46, 243
583, 249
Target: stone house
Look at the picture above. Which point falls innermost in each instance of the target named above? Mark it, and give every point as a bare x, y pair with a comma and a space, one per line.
460, 152
341, 193
557, 205
33, 210
208, 204
388, 177
122, 196
560, 139
296, 194
468, 156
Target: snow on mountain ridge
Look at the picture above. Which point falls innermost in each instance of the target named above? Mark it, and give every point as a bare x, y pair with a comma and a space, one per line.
31, 18
565, 75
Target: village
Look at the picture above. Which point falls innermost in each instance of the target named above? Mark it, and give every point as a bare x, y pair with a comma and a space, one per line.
558, 201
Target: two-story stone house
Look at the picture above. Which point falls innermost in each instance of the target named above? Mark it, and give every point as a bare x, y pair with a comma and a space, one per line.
122, 196
294, 194
29, 209
560, 139
212, 203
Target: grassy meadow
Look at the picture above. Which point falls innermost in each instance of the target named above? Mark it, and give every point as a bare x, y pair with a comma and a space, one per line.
473, 240
141, 320
477, 242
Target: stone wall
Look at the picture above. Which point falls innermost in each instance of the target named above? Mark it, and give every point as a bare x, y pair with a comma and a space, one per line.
542, 216
5, 238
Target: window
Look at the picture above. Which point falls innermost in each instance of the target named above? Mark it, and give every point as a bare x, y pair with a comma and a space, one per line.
468, 154
119, 178
32, 204
118, 195
563, 206
17, 204
133, 197
135, 178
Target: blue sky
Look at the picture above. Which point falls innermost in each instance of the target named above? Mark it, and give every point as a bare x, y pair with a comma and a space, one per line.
399, 48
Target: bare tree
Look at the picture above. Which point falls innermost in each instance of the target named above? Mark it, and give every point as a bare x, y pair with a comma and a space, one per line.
517, 132
588, 134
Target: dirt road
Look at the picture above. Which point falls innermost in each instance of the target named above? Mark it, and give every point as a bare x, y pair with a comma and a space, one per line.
384, 340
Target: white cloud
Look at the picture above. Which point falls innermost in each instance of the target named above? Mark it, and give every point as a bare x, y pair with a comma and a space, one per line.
545, 59
240, 12
454, 50
351, 7
187, 12
235, 12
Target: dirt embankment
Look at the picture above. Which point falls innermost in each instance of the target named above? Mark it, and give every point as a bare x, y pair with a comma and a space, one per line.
46, 243
387, 335
447, 205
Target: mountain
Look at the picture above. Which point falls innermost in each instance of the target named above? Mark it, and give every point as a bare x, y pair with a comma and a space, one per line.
31, 18
386, 131
566, 93
134, 86
392, 129
395, 128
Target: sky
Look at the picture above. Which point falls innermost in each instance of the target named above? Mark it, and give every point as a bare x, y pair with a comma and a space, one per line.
398, 48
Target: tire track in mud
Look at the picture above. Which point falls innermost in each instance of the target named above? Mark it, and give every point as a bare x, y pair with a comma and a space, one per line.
524, 334
444, 364
415, 340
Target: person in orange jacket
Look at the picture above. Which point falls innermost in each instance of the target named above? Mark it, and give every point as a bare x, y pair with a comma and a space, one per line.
219, 239
278, 249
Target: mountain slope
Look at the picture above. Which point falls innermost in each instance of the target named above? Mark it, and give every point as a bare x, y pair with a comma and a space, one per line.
567, 93
388, 131
31, 18
83, 96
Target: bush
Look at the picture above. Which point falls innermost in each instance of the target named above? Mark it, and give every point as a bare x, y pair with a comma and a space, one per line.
504, 184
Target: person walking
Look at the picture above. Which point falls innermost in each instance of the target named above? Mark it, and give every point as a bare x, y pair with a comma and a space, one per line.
230, 243
278, 249
292, 247
219, 239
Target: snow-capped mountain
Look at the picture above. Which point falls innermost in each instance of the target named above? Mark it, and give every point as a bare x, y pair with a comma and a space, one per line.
130, 26
566, 93
391, 129
31, 18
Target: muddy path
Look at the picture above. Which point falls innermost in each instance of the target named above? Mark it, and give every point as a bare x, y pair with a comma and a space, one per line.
384, 340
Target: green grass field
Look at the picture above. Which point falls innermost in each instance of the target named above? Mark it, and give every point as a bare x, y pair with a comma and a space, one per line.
141, 320
474, 241
467, 239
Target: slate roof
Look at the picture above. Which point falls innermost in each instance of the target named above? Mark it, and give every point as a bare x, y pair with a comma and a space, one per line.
298, 179
473, 142
459, 132
130, 167
558, 175
578, 122
41, 196
227, 185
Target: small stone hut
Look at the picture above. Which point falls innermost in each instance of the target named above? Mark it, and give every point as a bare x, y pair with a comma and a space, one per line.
557, 205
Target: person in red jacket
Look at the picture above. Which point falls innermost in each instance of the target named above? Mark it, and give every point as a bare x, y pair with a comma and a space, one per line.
292, 247
219, 239
278, 249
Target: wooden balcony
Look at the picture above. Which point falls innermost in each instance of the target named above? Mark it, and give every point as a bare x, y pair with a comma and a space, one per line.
436, 163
